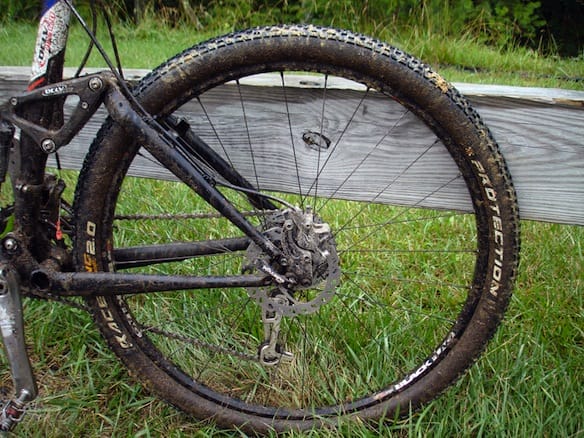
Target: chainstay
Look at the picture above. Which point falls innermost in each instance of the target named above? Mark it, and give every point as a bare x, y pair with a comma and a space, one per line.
189, 340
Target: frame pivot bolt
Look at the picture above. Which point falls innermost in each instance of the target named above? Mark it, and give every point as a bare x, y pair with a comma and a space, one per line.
48, 146
10, 244
95, 84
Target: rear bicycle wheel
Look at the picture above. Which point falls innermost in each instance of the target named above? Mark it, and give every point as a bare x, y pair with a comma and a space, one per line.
387, 194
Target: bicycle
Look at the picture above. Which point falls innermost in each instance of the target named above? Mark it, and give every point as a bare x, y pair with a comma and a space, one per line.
309, 258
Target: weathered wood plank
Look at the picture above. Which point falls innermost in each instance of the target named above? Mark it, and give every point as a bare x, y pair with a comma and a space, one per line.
541, 134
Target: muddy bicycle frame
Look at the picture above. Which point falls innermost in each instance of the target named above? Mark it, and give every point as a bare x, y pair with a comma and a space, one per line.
33, 256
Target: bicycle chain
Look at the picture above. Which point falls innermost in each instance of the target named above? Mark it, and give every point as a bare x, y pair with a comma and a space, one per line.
168, 216
69, 301
188, 340
200, 343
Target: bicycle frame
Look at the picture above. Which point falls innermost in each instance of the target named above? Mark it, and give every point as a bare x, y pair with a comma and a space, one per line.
32, 255
37, 259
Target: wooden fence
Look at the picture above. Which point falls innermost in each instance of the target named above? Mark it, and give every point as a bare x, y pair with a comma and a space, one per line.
540, 131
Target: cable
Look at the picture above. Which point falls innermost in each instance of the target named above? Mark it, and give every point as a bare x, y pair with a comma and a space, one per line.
113, 40
90, 47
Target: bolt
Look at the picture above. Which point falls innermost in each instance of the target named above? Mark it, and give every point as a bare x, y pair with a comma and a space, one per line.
13, 101
95, 84
84, 105
10, 244
48, 146
24, 188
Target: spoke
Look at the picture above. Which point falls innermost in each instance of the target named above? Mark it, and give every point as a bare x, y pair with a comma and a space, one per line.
248, 133
321, 129
332, 151
144, 154
424, 219
369, 337
373, 301
215, 132
229, 329
388, 222
410, 251
391, 183
366, 157
304, 353
292, 142
249, 139
431, 284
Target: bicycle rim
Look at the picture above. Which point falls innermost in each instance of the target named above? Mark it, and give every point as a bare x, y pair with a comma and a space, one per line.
353, 153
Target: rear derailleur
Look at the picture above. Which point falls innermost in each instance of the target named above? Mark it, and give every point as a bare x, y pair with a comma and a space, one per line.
304, 277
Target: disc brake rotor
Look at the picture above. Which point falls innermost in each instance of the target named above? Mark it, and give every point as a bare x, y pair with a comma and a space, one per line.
309, 263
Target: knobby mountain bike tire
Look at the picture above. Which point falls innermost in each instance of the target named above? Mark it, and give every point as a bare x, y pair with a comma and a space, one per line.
416, 231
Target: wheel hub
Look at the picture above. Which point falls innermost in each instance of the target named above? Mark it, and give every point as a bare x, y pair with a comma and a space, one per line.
309, 263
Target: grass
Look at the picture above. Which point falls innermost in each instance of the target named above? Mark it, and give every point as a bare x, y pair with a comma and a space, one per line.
528, 383
460, 59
